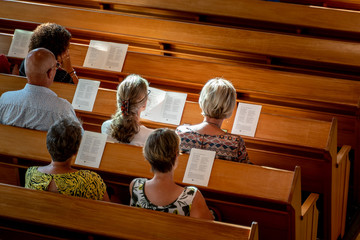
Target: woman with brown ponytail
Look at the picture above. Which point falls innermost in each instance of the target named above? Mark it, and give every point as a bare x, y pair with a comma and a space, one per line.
125, 127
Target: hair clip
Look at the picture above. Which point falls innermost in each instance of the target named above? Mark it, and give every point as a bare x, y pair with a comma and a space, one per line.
125, 107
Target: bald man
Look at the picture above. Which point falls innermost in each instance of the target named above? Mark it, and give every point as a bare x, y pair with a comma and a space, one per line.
36, 106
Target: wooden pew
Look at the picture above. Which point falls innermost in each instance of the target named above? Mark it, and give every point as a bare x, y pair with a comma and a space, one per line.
26, 213
334, 97
113, 111
203, 39
308, 143
255, 14
342, 4
242, 193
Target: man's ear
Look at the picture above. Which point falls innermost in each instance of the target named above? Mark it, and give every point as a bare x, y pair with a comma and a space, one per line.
51, 74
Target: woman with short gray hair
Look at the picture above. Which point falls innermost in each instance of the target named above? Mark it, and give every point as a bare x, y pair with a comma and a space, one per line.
217, 101
63, 141
161, 150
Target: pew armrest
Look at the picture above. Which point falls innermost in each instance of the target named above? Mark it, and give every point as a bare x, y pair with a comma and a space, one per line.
308, 204
254, 231
342, 154
342, 187
309, 217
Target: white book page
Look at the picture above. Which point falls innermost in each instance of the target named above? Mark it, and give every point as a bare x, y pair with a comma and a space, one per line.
91, 149
153, 104
20, 44
85, 94
199, 167
106, 55
173, 107
164, 107
246, 119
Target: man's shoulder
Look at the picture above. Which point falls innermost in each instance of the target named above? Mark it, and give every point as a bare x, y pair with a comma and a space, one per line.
10, 96
60, 103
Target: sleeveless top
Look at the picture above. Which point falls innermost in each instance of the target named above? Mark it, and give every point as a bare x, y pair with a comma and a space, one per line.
227, 147
82, 183
181, 206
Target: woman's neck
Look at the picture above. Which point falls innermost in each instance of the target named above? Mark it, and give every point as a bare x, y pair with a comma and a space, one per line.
210, 126
58, 167
61, 165
161, 178
213, 121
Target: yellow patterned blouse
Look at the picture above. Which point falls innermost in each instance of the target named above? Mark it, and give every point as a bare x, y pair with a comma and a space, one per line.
82, 183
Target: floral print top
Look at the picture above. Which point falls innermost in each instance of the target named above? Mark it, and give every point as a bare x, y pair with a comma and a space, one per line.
181, 206
82, 183
227, 146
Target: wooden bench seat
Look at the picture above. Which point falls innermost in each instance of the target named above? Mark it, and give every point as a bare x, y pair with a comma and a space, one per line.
242, 193
182, 35
27, 213
308, 143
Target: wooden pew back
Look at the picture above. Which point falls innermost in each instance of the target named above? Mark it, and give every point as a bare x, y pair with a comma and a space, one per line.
255, 14
342, 4
53, 213
187, 36
273, 128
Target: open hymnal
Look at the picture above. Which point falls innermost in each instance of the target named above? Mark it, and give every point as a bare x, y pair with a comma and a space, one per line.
91, 149
20, 44
85, 94
105, 55
199, 167
164, 107
246, 119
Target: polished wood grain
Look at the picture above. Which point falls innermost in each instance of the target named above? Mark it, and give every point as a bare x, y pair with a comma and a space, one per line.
95, 218
188, 34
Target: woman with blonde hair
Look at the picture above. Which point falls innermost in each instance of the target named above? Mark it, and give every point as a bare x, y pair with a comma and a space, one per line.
125, 126
161, 193
217, 101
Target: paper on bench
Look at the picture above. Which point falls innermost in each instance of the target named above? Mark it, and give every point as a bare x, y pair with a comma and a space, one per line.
85, 94
199, 167
20, 44
246, 119
164, 107
105, 55
91, 149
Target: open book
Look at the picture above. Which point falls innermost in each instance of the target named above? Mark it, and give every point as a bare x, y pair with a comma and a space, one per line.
164, 107
246, 119
105, 55
20, 44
